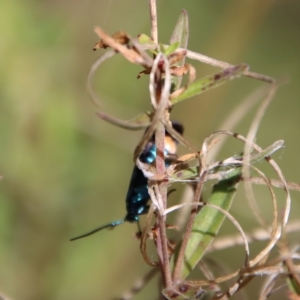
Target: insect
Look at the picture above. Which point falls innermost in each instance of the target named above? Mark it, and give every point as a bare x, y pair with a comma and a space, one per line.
137, 195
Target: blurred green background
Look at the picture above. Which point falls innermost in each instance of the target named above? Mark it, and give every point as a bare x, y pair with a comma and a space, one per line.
65, 171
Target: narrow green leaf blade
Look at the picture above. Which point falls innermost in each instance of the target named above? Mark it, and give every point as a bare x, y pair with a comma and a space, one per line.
210, 82
145, 39
181, 36
293, 285
208, 222
181, 30
169, 50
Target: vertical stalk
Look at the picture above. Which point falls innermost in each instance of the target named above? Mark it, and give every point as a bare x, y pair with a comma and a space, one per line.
162, 241
153, 20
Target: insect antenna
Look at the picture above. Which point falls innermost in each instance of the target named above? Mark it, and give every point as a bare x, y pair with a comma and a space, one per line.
110, 225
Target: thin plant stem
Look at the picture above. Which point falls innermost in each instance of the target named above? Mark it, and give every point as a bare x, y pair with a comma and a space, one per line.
165, 255
224, 65
162, 241
162, 190
215, 62
256, 235
153, 20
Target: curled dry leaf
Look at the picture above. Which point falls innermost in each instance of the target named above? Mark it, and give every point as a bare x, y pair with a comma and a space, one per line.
179, 71
192, 77
131, 54
176, 57
120, 37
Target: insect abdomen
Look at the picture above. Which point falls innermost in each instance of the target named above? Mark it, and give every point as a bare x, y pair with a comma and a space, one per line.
137, 195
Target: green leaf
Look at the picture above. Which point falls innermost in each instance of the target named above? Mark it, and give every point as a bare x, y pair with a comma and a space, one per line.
180, 35
145, 39
181, 30
208, 222
210, 82
293, 285
172, 48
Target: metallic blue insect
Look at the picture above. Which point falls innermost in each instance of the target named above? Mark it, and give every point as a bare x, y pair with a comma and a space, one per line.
137, 195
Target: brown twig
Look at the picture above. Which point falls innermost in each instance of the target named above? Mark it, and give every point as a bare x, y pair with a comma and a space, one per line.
258, 234
224, 65
162, 242
153, 20
292, 186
